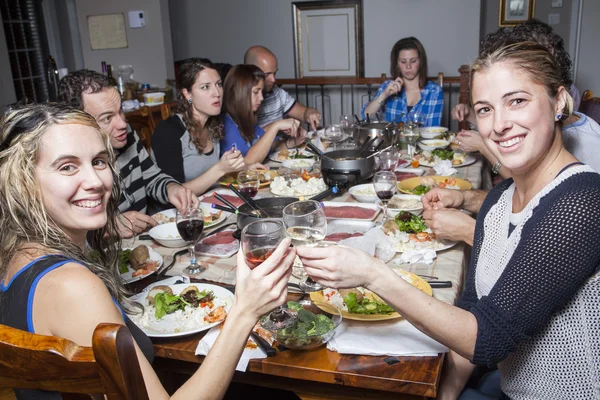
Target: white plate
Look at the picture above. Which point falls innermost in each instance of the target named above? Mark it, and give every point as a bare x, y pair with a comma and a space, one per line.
446, 244
154, 256
392, 212
234, 247
273, 156
373, 207
164, 328
364, 198
469, 159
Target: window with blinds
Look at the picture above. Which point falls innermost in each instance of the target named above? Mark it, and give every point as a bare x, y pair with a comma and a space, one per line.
20, 19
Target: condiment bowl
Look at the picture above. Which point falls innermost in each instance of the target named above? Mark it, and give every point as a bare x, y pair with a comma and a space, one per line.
393, 211
358, 192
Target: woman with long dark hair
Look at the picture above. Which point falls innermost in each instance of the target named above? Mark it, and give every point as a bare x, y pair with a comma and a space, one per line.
57, 183
244, 86
186, 145
408, 90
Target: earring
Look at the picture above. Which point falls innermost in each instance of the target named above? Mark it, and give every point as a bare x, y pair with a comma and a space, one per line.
190, 101
558, 117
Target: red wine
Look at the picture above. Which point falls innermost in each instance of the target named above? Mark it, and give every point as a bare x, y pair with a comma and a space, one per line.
385, 194
190, 229
249, 191
258, 256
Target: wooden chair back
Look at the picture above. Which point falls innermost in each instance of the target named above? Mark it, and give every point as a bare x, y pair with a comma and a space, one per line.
165, 111
110, 366
142, 121
590, 105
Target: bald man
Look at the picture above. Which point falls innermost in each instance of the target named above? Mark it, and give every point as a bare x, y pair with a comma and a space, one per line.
277, 102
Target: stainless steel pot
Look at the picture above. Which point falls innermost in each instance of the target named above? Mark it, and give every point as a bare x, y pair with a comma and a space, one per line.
365, 131
343, 163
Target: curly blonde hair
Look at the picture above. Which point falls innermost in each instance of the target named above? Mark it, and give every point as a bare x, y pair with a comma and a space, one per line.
24, 220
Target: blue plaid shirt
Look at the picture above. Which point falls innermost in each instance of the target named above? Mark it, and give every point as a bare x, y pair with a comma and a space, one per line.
430, 105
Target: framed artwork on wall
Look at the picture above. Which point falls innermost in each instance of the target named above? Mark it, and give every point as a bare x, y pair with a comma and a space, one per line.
328, 38
514, 12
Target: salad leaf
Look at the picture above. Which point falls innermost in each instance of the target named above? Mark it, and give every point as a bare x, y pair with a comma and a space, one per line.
410, 223
124, 260
443, 154
420, 190
166, 303
307, 330
366, 306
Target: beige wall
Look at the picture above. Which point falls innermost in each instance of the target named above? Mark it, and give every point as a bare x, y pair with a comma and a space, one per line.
149, 48
588, 62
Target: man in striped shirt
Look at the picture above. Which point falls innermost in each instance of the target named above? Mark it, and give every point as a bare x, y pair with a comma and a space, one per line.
141, 178
277, 102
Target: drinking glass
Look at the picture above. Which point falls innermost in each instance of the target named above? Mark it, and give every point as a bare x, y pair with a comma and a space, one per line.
248, 182
259, 241
334, 134
347, 125
388, 159
190, 224
384, 183
411, 135
305, 223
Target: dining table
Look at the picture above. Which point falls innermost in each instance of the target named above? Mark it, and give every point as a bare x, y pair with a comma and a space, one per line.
322, 373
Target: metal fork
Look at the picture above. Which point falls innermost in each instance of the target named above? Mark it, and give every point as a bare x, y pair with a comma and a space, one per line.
164, 270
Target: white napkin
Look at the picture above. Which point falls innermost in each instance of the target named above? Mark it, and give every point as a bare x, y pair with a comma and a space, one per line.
374, 242
393, 338
423, 256
444, 168
211, 337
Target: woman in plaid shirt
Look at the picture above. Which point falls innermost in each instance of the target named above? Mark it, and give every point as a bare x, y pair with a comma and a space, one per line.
409, 91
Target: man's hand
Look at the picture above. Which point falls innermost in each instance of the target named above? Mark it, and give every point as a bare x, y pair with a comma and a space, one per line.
132, 223
437, 199
450, 224
312, 117
181, 197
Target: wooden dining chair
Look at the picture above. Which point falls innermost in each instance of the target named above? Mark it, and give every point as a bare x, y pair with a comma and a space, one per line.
110, 366
142, 121
590, 105
166, 111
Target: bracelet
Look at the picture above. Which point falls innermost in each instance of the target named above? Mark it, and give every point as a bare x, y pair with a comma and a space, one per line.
496, 168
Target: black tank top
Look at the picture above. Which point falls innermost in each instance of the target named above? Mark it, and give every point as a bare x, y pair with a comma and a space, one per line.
16, 302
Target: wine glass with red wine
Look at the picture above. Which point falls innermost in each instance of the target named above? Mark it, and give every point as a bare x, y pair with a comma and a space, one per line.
259, 241
190, 224
248, 182
306, 225
384, 183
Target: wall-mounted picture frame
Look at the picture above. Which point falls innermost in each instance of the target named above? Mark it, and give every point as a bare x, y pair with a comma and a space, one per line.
514, 12
328, 38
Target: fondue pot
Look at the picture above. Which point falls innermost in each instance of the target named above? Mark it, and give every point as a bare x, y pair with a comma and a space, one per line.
341, 167
367, 130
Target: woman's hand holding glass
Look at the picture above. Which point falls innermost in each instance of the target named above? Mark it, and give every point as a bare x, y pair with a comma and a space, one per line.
263, 288
339, 266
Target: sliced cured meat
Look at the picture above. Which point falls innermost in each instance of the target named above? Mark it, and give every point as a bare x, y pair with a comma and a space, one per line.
225, 237
401, 163
336, 237
400, 176
236, 201
349, 212
220, 244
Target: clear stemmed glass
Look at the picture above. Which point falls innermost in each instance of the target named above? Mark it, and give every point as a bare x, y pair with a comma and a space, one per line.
347, 126
411, 134
190, 224
305, 223
384, 183
248, 182
388, 159
334, 134
259, 241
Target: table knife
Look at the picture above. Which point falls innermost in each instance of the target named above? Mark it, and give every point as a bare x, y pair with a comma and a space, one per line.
263, 344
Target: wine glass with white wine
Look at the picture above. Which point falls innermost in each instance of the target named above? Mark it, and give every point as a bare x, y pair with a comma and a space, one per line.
306, 225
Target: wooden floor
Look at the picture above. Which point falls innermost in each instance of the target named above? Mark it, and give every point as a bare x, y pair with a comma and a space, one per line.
7, 394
